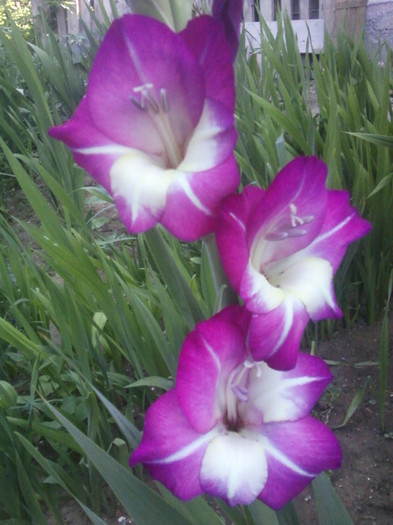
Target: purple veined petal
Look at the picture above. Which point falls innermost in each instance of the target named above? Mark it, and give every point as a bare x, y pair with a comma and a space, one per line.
146, 87
193, 200
231, 232
275, 336
296, 453
230, 13
308, 278
171, 450
91, 149
209, 354
342, 225
292, 212
206, 38
288, 396
139, 187
234, 468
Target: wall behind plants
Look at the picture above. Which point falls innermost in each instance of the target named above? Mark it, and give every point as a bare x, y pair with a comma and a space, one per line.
379, 23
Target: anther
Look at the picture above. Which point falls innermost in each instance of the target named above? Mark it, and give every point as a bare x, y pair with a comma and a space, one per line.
138, 104
276, 236
240, 392
296, 232
146, 98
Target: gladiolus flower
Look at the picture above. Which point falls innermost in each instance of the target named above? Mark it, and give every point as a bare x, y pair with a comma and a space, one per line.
235, 428
230, 12
280, 249
156, 125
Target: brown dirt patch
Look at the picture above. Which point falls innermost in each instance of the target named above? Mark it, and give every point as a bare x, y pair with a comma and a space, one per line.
364, 482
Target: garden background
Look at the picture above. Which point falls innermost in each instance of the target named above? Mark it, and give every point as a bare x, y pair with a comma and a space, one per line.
80, 297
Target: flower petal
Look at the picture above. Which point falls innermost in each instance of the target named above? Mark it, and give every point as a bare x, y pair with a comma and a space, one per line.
230, 13
209, 353
231, 232
91, 149
140, 51
234, 469
139, 187
193, 200
213, 139
296, 453
342, 226
289, 218
308, 278
288, 396
171, 449
206, 39
275, 336
260, 295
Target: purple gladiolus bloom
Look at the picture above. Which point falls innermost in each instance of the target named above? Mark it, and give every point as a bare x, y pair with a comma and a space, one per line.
230, 12
235, 428
280, 249
156, 125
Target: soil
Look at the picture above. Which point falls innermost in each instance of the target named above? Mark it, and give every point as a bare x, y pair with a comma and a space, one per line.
364, 482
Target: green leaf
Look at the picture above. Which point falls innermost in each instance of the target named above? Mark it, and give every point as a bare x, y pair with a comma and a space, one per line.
174, 13
357, 399
177, 284
130, 432
152, 381
375, 138
381, 184
29, 494
143, 504
262, 514
8, 395
10, 334
288, 515
330, 508
47, 466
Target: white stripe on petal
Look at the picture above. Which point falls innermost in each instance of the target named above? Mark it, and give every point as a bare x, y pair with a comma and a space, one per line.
211, 351
237, 220
288, 319
185, 186
331, 232
284, 460
189, 449
107, 149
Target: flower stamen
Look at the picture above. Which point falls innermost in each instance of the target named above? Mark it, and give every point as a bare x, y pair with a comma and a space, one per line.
159, 114
164, 100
